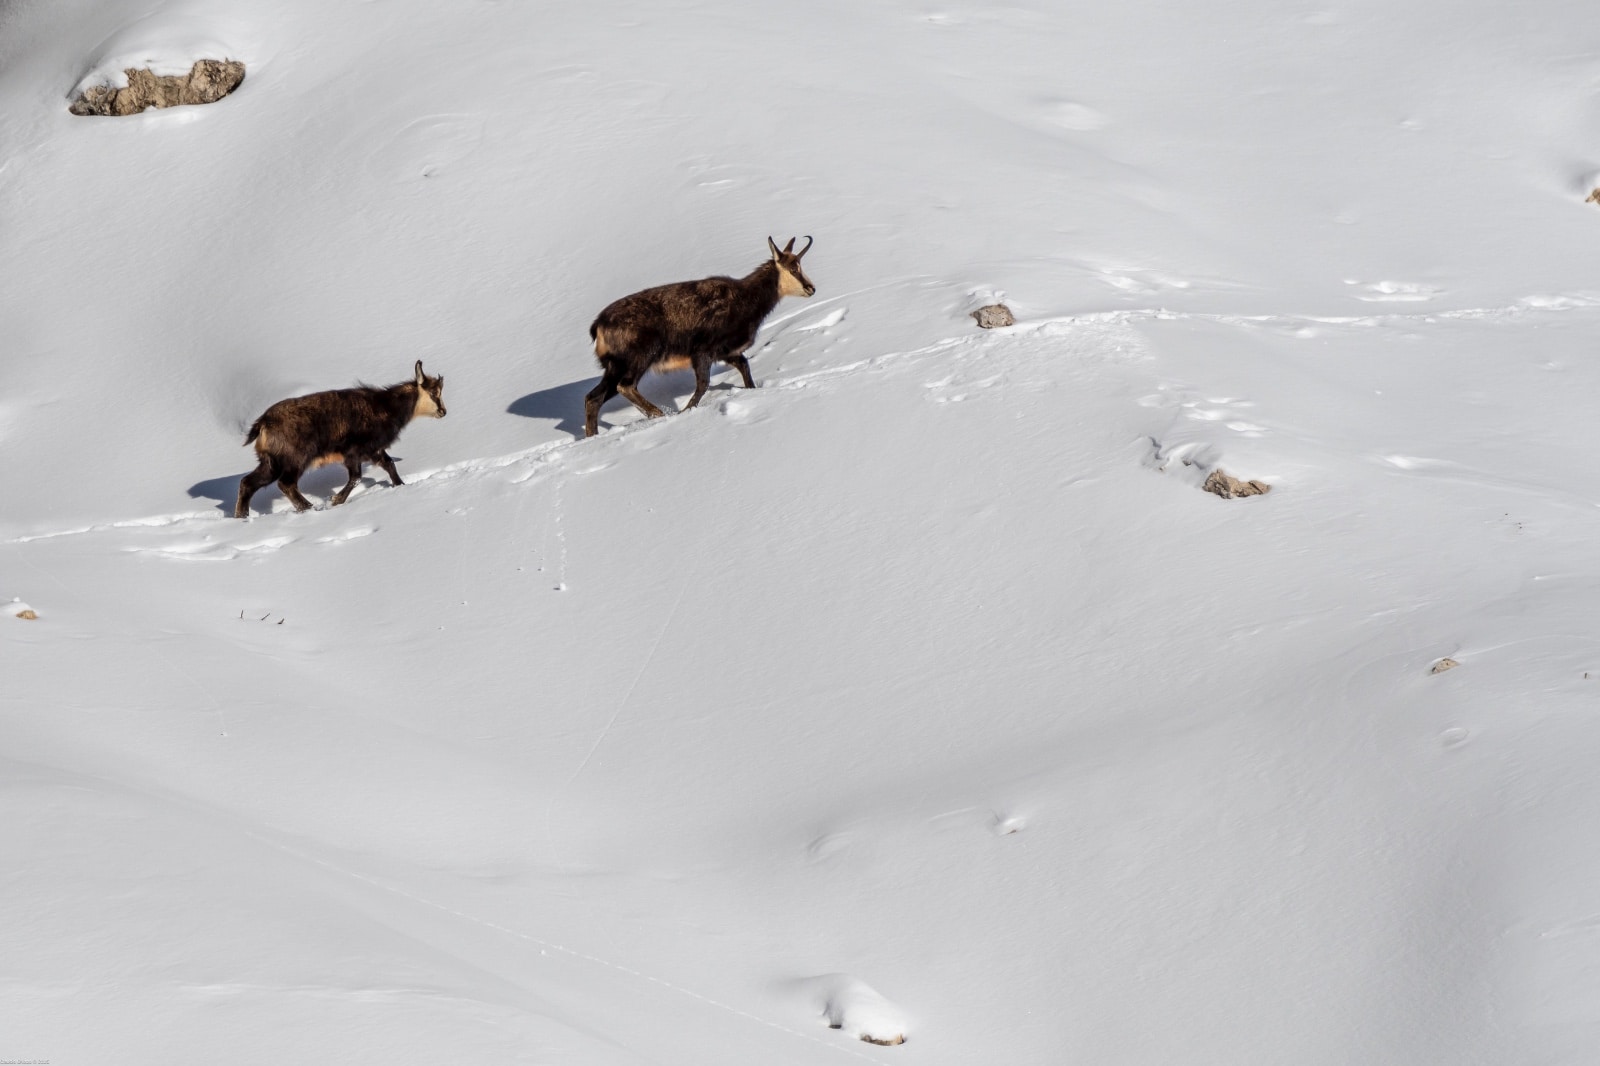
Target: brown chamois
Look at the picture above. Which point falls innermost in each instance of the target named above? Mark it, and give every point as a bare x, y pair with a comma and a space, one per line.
349, 426
688, 324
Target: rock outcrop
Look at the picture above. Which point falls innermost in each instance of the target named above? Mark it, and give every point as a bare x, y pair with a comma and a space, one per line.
1227, 486
208, 82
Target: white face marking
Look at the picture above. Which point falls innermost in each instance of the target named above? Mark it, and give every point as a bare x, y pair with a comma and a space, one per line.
789, 284
425, 408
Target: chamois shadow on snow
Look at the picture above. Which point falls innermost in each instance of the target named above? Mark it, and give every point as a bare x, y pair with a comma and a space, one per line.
564, 403
318, 485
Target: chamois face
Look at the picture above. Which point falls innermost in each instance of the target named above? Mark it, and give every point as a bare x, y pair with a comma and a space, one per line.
430, 395
792, 280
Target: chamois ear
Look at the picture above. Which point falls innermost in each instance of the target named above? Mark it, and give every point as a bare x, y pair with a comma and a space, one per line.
801, 254
774, 248
419, 371
789, 247
438, 382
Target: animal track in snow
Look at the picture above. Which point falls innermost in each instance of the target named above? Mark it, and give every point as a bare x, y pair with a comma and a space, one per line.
741, 411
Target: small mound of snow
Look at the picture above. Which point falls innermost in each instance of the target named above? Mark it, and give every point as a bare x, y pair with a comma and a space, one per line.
165, 44
850, 1004
17, 609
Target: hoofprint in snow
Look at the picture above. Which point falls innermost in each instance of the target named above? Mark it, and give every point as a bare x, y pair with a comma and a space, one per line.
918, 689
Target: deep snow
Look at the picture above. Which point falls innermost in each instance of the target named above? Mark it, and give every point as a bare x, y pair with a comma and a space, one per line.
919, 688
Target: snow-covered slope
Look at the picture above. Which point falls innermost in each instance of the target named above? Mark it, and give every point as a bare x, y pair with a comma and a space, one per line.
920, 689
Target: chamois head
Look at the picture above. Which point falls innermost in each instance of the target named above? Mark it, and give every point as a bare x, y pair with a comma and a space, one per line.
792, 281
430, 395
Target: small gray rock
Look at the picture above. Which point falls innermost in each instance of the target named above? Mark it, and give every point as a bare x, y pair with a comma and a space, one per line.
994, 316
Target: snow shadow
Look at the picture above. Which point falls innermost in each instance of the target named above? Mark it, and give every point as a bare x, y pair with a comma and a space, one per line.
319, 485
224, 490
564, 403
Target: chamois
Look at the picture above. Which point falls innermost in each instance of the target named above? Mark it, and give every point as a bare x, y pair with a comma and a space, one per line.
349, 426
688, 324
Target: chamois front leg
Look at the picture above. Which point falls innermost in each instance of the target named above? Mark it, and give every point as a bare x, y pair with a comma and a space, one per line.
291, 492
388, 468
628, 386
702, 379
353, 466
632, 394
742, 365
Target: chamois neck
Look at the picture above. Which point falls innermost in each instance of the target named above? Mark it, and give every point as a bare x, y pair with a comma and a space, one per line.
765, 286
763, 276
402, 400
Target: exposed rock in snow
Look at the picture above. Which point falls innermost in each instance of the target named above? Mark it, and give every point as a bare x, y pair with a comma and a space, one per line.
206, 83
1444, 664
994, 316
1227, 486
21, 610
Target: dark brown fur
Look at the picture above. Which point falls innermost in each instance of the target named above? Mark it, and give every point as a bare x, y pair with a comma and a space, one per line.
688, 324
347, 426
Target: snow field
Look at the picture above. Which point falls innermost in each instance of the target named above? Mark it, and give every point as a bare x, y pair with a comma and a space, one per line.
920, 688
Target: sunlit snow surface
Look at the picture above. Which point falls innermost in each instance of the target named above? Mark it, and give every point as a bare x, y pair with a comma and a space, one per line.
919, 689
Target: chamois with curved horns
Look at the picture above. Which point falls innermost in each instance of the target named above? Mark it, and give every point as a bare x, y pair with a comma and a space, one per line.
688, 324
349, 426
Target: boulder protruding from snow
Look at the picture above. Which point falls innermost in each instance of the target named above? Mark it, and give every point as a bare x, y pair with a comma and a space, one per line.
206, 83
1444, 664
994, 316
1221, 483
21, 610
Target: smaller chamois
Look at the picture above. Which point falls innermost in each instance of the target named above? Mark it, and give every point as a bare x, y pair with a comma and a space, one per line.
349, 426
688, 324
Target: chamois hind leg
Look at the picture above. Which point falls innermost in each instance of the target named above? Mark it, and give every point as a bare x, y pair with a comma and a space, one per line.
353, 466
702, 379
290, 484
742, 365
388, 468
628, 386
597, 398
632, 394
250, 484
